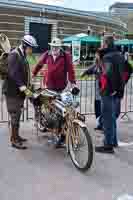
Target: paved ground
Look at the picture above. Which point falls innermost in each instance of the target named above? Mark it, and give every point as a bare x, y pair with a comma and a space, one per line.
42, 173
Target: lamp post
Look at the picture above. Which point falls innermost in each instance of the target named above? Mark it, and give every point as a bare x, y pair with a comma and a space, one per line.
89, 30
102, 36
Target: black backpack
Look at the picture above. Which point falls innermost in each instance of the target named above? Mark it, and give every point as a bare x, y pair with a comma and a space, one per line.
121, 72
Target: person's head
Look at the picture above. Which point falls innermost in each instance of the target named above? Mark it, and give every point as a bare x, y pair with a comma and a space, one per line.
126, 48
28, 43
55, 46
100, 53
108, 42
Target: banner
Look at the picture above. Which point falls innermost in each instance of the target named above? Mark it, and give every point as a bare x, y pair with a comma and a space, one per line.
76, 51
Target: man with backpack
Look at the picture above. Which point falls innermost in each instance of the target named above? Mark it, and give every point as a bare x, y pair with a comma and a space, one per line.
16, 86
59, 71
112, 81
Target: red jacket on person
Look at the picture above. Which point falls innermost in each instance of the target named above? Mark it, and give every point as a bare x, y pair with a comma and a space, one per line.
56, 78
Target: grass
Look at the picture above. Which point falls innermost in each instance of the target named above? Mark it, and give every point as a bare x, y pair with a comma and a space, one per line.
79, 69
78, 75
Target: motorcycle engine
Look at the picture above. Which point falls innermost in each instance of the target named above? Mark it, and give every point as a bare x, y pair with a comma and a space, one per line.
53, 120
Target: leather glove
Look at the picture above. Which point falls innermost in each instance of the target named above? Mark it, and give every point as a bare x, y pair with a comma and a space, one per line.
28, 93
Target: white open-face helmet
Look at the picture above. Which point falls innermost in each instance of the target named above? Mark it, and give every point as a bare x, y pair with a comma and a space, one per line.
30, 41
56, 42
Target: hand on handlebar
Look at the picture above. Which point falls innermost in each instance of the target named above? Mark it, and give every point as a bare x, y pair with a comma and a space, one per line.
28, 93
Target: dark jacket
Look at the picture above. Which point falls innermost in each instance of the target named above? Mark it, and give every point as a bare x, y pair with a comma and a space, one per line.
112, 63
18, 74
56, 76
95, 70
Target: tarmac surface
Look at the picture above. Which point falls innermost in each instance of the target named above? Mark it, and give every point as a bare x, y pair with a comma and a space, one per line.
41, 172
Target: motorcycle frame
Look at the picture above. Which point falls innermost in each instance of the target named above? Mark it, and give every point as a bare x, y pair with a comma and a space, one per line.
71, 120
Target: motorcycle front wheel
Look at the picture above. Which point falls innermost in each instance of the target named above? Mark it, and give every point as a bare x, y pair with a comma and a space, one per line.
80, 148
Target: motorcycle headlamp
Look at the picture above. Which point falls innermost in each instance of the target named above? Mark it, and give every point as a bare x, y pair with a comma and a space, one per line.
67, 98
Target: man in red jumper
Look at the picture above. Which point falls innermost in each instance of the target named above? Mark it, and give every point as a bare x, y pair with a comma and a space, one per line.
60, 70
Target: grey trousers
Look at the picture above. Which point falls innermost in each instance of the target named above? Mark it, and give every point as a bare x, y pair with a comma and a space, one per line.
14, 107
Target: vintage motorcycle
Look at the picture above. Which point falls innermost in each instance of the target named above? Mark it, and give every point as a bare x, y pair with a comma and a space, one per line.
57, 113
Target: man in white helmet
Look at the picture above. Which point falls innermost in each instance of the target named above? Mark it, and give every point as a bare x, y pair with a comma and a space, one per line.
16, 86
60, 69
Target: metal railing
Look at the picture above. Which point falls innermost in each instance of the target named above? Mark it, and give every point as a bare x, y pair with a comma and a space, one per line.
86, 98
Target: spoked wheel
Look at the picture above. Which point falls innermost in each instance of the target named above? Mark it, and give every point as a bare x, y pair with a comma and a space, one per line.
40, 120
41, 124
81, 148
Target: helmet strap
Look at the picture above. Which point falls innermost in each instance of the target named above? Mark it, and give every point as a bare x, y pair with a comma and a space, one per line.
23, 47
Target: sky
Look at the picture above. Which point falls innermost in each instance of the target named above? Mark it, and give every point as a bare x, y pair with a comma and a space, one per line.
91, 5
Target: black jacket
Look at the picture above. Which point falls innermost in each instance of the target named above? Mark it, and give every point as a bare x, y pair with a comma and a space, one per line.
112, 66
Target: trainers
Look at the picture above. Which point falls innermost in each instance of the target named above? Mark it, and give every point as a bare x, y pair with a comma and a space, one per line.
105, 149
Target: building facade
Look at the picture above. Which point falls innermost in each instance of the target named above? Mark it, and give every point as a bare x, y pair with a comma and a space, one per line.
125, 12
45, 22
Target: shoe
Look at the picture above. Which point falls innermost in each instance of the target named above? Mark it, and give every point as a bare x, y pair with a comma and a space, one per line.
98, 128
115, 145
105, 149
61, 142
18, 145
15, 136
20, 139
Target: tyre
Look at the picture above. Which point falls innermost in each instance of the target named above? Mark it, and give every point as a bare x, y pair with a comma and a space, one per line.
77, 148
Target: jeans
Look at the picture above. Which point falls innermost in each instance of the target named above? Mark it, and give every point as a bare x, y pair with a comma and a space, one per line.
97, 108
110, 113
98, 113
